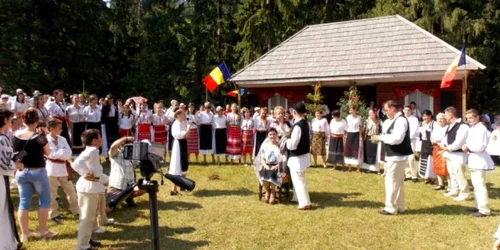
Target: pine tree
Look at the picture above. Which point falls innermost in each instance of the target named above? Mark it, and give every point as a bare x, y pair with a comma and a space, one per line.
315, 98
354, 98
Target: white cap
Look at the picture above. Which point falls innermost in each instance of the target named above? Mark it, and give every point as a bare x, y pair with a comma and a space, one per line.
256, 109
182, 105
5, 96
19, 90
36, 92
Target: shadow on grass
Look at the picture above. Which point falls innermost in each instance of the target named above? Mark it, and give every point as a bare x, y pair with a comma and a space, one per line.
493, 192
325, 199
214, 193
444, 209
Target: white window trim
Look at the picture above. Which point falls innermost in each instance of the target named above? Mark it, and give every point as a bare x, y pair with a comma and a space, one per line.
431, 100
276, 94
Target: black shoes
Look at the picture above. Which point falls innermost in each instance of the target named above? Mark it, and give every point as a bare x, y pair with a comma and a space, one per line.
94, 243
58, 219
479, 215
472, 210
383, 212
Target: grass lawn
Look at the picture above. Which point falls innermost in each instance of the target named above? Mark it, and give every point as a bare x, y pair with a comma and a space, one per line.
225, 213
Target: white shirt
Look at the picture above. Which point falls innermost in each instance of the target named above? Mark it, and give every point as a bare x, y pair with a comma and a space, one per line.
476, 142
301, 162
338, 127
260, 125
159, 120
112, 111
494, 143
89, 161
231, 118
56, 110
320, 126
205, 118
414, 125
282, 129
144, 118
59, 150
126, 122
75, 115
170, 115
193, 118
353, 123
219, 122
438, 133
92, 114
19, 107
43, 113
247, 124
179, 130
396, 137
457, 144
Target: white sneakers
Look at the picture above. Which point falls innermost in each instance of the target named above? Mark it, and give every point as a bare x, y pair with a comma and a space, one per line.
461, 197
99, 230
451, 193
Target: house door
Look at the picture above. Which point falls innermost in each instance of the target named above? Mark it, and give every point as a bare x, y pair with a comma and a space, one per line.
422, 100
277, 100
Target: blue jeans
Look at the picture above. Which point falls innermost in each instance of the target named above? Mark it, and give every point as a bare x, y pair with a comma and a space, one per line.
30, 180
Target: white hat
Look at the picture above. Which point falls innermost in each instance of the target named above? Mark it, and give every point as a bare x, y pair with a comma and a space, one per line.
19, 90
36, 92
5, 96
182, 105
256, 109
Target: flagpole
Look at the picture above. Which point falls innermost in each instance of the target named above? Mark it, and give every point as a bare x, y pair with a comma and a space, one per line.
464, 94
206, 94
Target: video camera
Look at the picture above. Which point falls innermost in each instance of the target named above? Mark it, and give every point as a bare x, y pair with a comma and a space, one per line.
148, 155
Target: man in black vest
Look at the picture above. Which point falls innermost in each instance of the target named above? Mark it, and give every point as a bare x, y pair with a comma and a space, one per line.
396, 141
454, 139
299, 158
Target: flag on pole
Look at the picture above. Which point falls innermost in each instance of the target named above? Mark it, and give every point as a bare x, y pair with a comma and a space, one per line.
450, 74
217, 77
233, 93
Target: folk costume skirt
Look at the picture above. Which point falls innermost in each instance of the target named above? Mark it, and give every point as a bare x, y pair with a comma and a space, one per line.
336, 150
247, 141
192, 141
206, 139
439, 161
260, 136
144, 132
76, 135
160, 134
233, 146
351, 152
318, 143
125, 132
220, 141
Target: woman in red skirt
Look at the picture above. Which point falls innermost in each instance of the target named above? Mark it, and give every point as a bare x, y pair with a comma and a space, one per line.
159, 121
192, 139
233, 146
126, 121
437, 135
143, 123
247, 138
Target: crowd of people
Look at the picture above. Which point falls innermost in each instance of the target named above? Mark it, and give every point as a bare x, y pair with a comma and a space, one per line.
279, 144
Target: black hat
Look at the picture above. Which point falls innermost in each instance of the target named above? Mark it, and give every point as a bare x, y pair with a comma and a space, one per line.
300, 107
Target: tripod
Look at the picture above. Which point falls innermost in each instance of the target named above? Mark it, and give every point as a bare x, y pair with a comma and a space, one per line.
152, 188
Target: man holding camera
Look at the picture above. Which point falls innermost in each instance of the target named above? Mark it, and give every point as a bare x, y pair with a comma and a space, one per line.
121, 177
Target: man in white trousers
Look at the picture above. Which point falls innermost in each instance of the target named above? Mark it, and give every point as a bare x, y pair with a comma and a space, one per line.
396, 141
300, 157
479, 161
411, 171
454, 139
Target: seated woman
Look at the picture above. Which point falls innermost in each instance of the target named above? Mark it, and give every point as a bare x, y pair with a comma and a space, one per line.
270, 159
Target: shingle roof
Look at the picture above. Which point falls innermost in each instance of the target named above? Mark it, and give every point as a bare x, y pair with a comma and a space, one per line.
359, 48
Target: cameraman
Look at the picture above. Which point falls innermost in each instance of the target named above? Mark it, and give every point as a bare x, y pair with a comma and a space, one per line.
121, 177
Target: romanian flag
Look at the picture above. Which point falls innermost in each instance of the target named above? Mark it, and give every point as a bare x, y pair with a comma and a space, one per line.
217, 77
233, 93
450, 74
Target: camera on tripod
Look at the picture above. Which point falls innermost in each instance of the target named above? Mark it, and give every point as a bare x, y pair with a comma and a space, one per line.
148, 155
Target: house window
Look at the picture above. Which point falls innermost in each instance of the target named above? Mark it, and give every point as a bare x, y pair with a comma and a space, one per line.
277, 100
422, 100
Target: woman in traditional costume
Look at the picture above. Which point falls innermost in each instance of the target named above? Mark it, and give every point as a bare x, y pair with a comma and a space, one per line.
192, 139
353, 140
280, 124
439, 162
179, 162
159, 121
338, 127
220, 128
247, 138
269, 165
320, 131
92, 114
233, 146
126, 121
262, 125
205, 119
426, 169
143, 123
371, 149
77, 123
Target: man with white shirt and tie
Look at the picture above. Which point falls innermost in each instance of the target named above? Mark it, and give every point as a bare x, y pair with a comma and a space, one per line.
396, 141
300, 157
454, 139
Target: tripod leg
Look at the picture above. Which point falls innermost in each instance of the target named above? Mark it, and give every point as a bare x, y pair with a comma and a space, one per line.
153, 210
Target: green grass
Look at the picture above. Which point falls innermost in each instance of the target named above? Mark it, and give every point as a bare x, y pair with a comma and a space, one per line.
226, 214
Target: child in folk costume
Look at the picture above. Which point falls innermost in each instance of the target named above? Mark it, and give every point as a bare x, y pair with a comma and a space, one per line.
143, 124
320, 131
179, 161
159, 121
353, 140
60, 153
205, 119
262, 125
282, 126
426, 169
478, 161
338, 127
247, 138
233, 146
126, 121
371, 149
92, 114
494, 144
170, 114
220, 128
439, 162
192, 138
